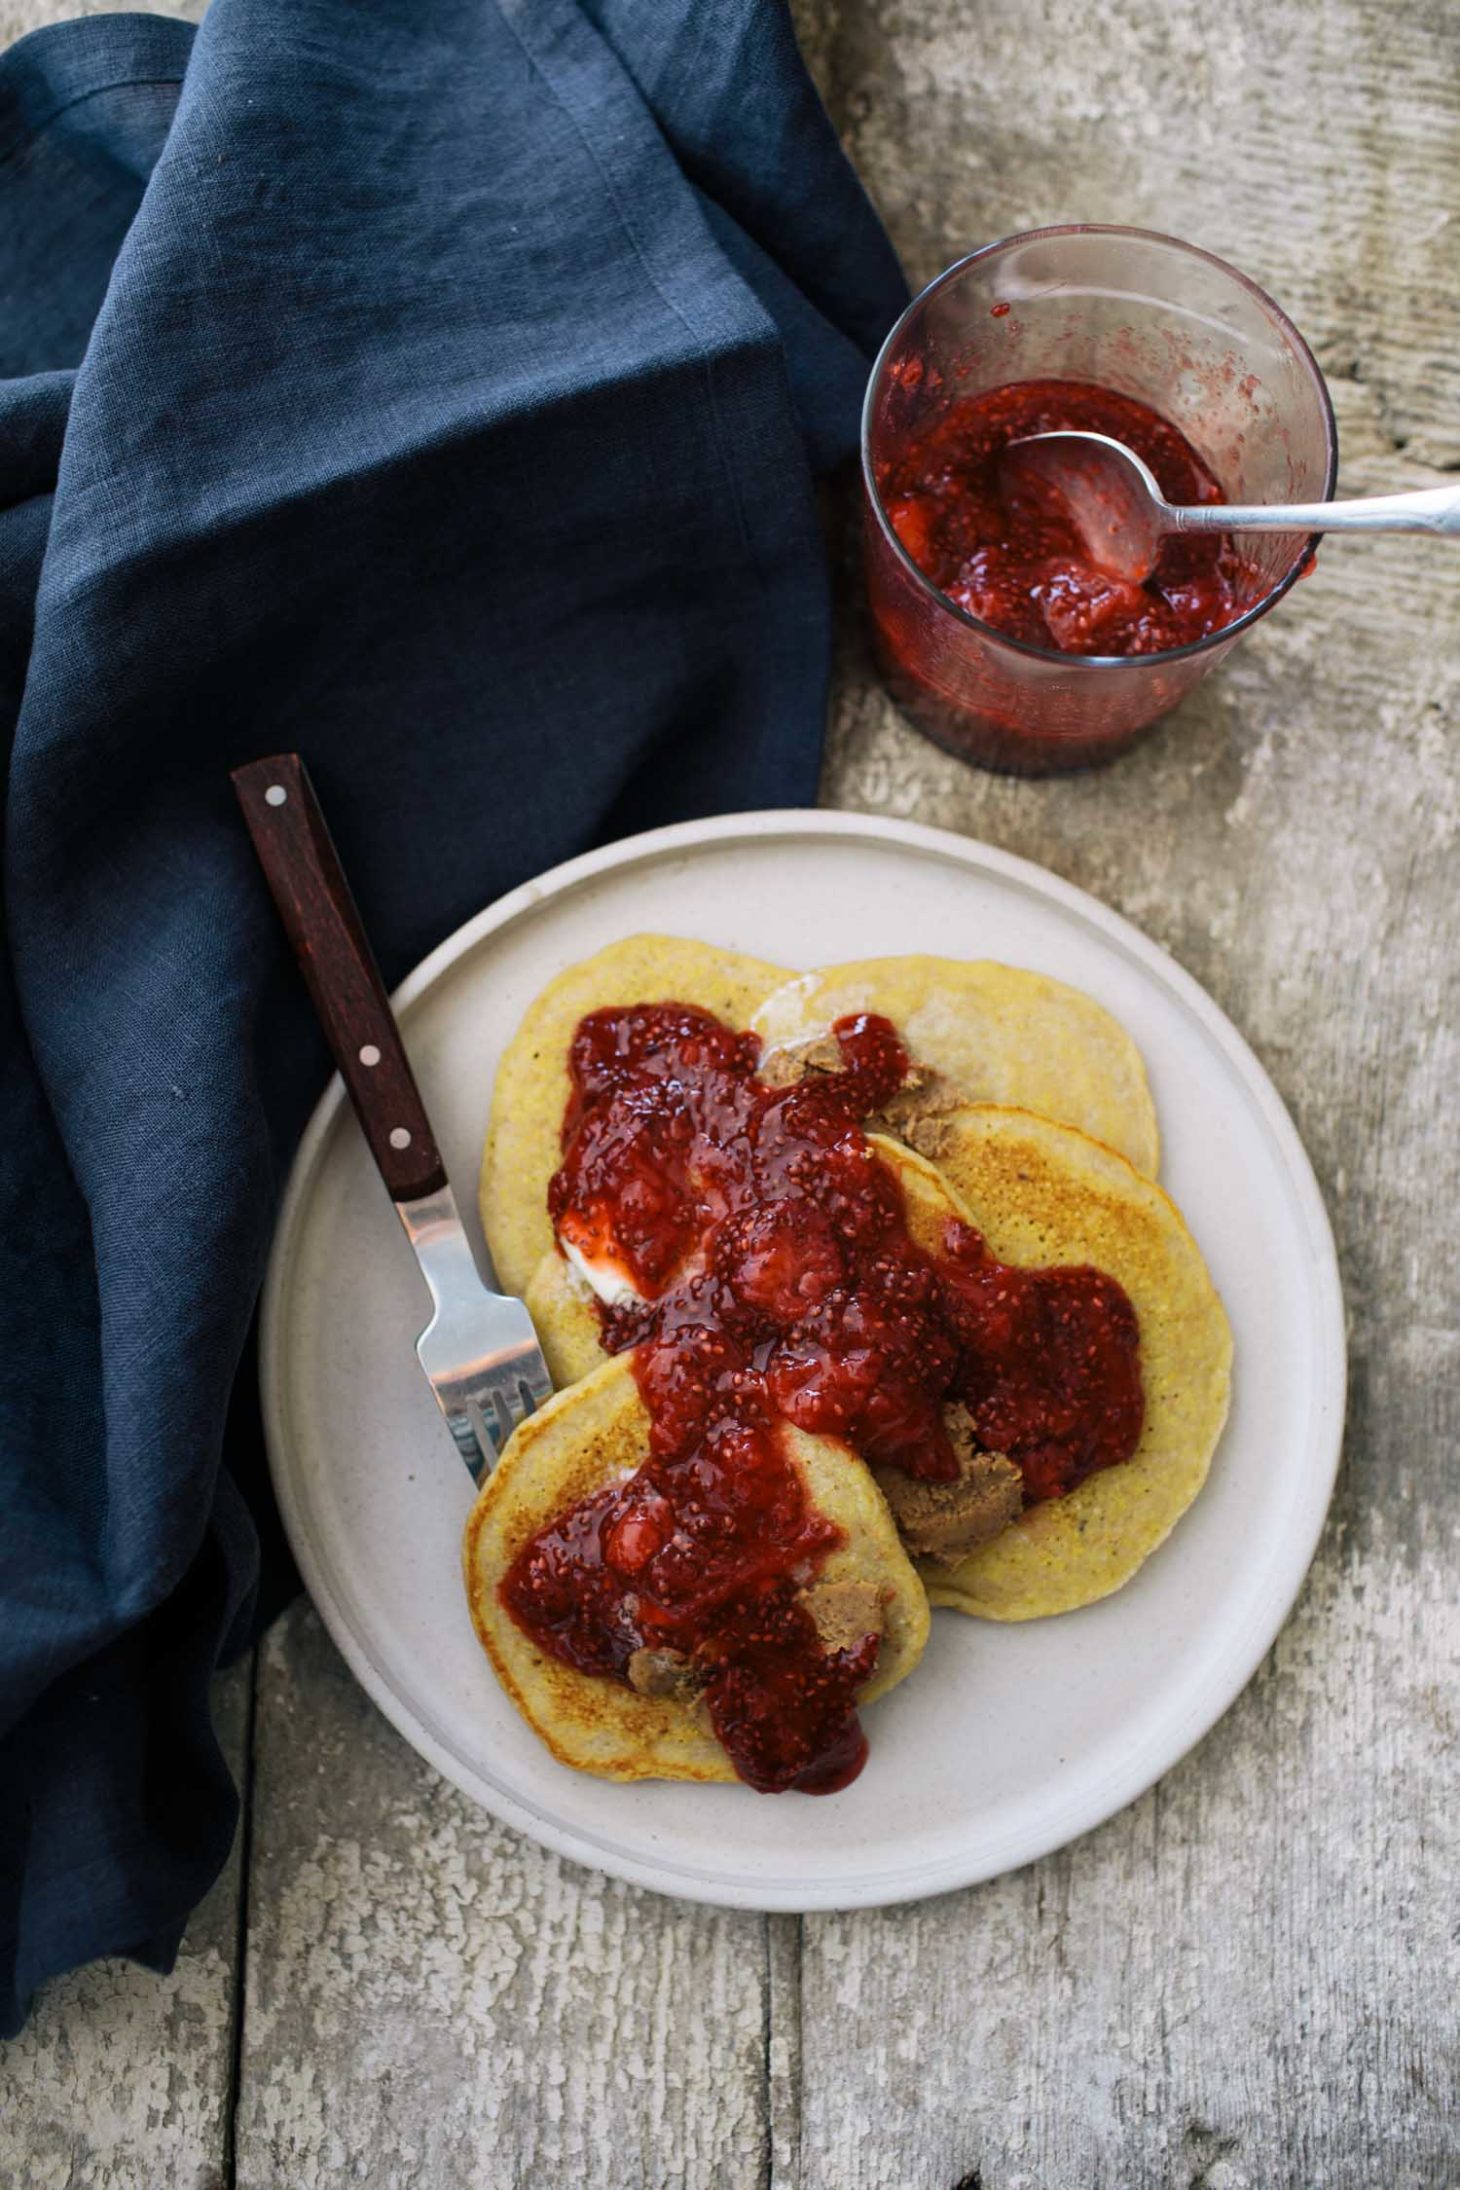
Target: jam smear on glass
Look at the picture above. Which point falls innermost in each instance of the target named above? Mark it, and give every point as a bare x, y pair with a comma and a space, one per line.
776, 1282
1008, 554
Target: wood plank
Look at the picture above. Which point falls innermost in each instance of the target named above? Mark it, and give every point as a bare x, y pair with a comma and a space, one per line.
432, 1999
1249, 1978
122, 2080
1245, 1981
1318, 148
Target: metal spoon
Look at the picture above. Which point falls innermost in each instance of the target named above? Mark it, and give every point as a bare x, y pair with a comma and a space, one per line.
1122, 516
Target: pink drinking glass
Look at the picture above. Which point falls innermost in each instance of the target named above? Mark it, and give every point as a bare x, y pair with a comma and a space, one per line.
1151, 318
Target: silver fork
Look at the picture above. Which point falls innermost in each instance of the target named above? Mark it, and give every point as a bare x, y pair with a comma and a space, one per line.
479, 1350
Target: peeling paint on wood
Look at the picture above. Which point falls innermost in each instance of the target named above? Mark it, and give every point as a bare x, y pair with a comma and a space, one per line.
431, 1999
122, 2080
1246, 1980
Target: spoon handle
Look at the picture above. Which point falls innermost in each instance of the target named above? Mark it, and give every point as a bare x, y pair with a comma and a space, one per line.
1432, 509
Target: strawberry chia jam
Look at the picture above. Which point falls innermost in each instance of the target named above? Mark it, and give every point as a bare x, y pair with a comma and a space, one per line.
1007, 553
776, 1283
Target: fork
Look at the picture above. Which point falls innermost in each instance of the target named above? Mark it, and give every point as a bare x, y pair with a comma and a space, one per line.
479, 1350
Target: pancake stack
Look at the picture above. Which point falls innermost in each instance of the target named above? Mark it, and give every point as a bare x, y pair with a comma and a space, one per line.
584, 1439
1035, 1126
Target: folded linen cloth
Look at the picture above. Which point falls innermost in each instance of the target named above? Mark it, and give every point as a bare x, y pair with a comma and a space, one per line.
435, 386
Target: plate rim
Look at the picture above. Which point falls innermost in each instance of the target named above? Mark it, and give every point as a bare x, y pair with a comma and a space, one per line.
1117, 1790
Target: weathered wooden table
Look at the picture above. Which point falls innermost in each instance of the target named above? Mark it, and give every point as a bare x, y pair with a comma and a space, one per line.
1248, 1981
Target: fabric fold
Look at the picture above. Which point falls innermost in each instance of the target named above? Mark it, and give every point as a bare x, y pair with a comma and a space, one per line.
435, 387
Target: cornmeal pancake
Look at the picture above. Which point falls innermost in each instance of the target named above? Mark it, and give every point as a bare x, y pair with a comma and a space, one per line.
999, 1034
594, 1435
532, 1087
1042, 1193
566, 1320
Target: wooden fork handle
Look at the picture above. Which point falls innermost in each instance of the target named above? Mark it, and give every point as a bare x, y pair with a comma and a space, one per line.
297, 854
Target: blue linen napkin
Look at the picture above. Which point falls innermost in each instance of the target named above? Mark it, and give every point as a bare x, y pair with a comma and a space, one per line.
435, 386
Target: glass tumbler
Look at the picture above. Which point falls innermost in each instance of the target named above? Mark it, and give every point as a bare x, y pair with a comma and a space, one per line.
1123, 309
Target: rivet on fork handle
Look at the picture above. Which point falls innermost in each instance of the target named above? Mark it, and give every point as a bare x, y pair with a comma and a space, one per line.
303, 870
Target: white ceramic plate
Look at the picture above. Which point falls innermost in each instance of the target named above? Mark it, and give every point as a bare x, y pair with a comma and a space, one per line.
1007, 1741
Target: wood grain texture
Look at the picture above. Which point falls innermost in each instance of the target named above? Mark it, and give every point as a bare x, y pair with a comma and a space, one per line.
1250, 1978
1247, 1981
122, 2080
431, 1999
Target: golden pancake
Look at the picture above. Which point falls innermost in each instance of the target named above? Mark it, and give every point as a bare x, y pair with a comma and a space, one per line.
1040, 1194
998, 1033
532, 1087
595, 1434
566, 1318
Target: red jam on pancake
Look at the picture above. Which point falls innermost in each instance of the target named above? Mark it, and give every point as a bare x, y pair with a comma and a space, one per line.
764, 1273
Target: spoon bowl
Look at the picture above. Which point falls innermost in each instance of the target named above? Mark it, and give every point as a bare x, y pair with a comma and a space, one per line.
1115, 505
1108, 493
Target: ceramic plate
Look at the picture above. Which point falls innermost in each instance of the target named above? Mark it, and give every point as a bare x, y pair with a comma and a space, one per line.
1007, 1741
